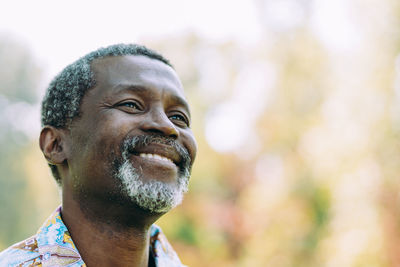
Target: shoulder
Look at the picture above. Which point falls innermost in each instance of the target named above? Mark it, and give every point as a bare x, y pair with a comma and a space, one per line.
24, 253
161, 249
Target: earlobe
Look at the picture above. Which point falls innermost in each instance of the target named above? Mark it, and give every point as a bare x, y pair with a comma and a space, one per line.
51, 143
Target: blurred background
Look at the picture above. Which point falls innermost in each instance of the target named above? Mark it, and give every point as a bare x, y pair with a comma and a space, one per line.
296, 109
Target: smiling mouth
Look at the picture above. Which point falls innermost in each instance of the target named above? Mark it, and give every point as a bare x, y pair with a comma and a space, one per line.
155, 156
157, 151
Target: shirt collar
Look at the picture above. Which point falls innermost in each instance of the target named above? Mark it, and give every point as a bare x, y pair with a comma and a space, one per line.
57, 248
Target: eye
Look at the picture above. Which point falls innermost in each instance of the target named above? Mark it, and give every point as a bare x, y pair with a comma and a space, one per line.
130, 106
180, 120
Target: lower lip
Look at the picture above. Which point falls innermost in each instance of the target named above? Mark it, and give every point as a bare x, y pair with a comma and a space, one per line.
156, 163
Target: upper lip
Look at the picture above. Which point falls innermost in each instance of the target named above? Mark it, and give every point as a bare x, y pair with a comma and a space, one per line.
159, 149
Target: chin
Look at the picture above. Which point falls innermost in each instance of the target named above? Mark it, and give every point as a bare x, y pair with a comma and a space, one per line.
151, 195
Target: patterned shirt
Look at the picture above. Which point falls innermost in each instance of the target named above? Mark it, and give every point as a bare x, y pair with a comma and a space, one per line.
53, 246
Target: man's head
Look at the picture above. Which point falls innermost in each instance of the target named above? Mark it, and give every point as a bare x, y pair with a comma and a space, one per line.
61, 104
116, 126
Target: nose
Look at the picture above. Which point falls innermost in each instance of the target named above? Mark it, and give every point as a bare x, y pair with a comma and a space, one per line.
158, 122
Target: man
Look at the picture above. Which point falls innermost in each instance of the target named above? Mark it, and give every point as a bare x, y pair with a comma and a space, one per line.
116, 135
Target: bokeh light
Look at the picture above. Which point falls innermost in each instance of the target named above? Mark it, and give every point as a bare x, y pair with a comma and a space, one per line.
295, 105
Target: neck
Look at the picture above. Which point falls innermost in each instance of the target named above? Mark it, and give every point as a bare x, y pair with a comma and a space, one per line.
108, 234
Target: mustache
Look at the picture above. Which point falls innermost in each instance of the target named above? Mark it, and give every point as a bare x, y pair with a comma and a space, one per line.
130, 143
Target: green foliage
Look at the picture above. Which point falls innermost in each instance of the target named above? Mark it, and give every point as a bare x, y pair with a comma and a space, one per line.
19, 74
315, 181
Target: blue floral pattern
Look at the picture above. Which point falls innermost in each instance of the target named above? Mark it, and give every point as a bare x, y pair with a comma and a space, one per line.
53, 246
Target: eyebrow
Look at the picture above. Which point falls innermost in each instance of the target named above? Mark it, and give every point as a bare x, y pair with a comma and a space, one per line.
129, 87
141, 89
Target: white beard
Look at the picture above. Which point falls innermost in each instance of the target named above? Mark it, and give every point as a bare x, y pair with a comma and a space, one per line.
153, 195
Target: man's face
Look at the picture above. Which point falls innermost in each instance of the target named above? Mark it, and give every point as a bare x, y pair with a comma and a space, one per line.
133, 140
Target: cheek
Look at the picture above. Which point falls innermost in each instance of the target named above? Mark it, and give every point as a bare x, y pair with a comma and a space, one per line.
190, 143
98, 144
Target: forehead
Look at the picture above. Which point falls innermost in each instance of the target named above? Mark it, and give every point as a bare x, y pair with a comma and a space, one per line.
136, 71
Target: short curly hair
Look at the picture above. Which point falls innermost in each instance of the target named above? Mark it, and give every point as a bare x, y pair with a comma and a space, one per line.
61, 103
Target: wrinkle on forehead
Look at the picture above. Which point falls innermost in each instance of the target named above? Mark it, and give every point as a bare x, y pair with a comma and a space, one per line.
131, 69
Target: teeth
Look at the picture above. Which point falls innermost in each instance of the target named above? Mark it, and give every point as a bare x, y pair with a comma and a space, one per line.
154, 156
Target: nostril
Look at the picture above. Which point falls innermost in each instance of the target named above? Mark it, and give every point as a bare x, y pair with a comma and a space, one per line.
175, 136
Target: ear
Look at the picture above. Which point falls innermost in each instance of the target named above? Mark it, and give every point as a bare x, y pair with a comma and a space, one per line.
52, 144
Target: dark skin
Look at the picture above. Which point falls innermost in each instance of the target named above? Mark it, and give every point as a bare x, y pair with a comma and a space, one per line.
133, 95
